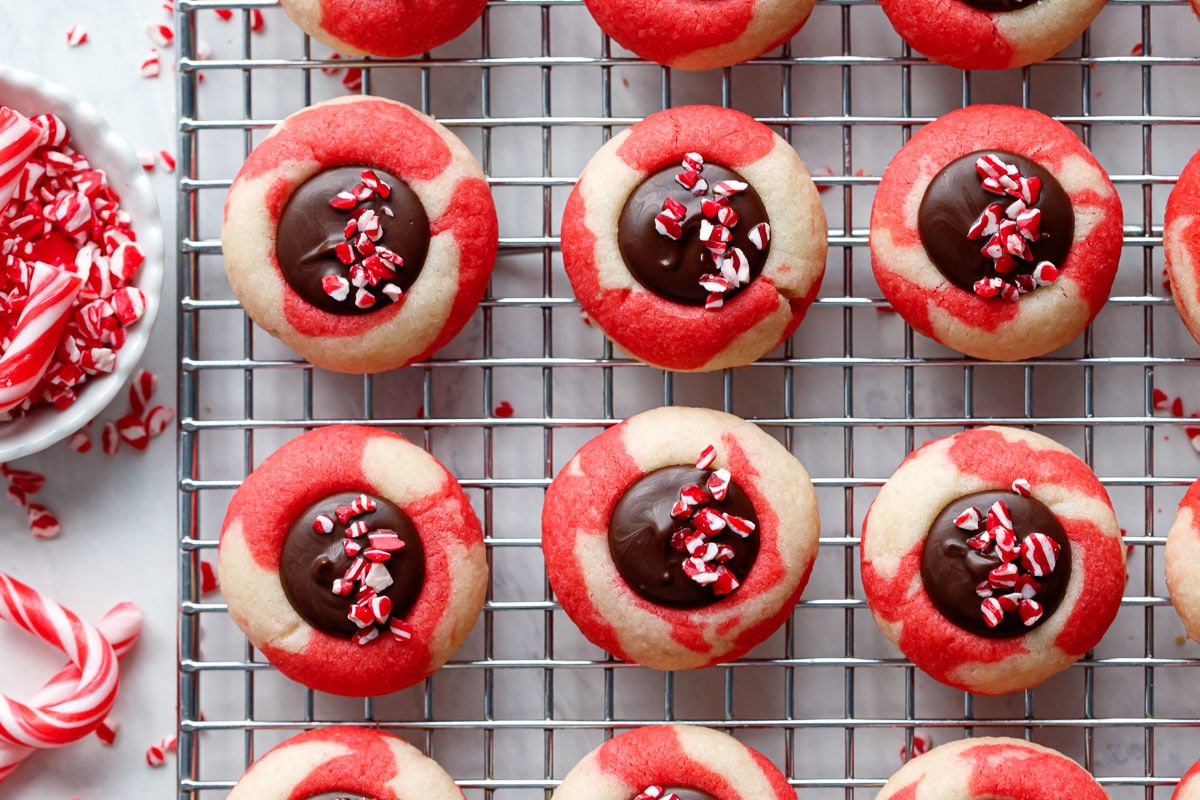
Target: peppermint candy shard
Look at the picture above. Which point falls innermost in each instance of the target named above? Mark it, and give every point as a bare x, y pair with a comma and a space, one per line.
760, 235
998, 517
1031, 612
323, 524
707, 456
968, 520
1039, 554
1004, 576
992, 613
718, 484
1021, 486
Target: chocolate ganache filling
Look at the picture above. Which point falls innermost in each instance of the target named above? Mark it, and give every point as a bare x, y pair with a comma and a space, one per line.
329, 576
978, 229
352, 239
696, 246
650, 545
999, 6
996, 564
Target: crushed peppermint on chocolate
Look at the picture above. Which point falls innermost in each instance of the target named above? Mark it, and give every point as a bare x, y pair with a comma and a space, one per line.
684, 536
996, 224
369, 263
1008, 228
716, 229
1010, 565
709, 236
357, 584
656, 792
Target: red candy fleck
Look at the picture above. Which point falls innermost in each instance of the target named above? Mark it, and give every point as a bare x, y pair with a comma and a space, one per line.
149, 67
208, 578
160, 33
968, 520
80, 442
110, 439
76, 35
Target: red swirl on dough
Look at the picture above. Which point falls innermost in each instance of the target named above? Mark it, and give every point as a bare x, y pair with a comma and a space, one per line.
655, 756
1189, 783
396, 29
367, 769
664, 31
1191, 501
962, 33
726, 136
1184, 201
322, 463
361, 131
1007, 770
1090, 264
580, 503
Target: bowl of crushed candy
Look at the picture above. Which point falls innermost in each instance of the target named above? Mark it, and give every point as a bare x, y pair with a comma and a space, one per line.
46, 423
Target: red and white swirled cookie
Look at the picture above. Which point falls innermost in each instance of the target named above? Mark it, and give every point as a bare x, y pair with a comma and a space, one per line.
1181, 559
996, 233
361, 233
1189, 785
392, 29
990, 34
674, 762
1181, 242
987, 767
686, 34
345, 764
352, 559
695, 239
992, 558
680, 538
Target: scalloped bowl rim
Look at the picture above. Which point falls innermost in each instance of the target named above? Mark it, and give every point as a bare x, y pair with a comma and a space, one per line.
105, 149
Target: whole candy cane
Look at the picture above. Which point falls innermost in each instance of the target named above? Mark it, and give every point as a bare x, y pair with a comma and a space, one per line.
77, 714
18, 139
35, 336
121, 627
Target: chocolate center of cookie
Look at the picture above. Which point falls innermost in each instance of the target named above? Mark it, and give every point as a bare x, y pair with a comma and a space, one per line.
999, 6
694, 234
678, 554
996, 564
352, 239
352, 565
997, 224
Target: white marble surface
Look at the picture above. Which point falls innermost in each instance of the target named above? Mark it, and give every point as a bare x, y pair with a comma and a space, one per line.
117, 513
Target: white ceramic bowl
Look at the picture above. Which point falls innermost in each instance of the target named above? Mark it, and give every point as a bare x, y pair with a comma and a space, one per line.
106, 150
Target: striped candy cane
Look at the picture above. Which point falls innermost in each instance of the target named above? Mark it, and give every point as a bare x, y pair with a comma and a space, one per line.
121, 627
18, 139
73, 714
36, 334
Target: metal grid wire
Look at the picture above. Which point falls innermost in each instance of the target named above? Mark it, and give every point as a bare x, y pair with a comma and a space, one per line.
853, 392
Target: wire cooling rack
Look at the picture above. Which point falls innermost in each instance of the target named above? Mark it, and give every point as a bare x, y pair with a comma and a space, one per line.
534, 89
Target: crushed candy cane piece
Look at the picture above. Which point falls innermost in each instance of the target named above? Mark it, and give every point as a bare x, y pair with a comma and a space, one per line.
76, 35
